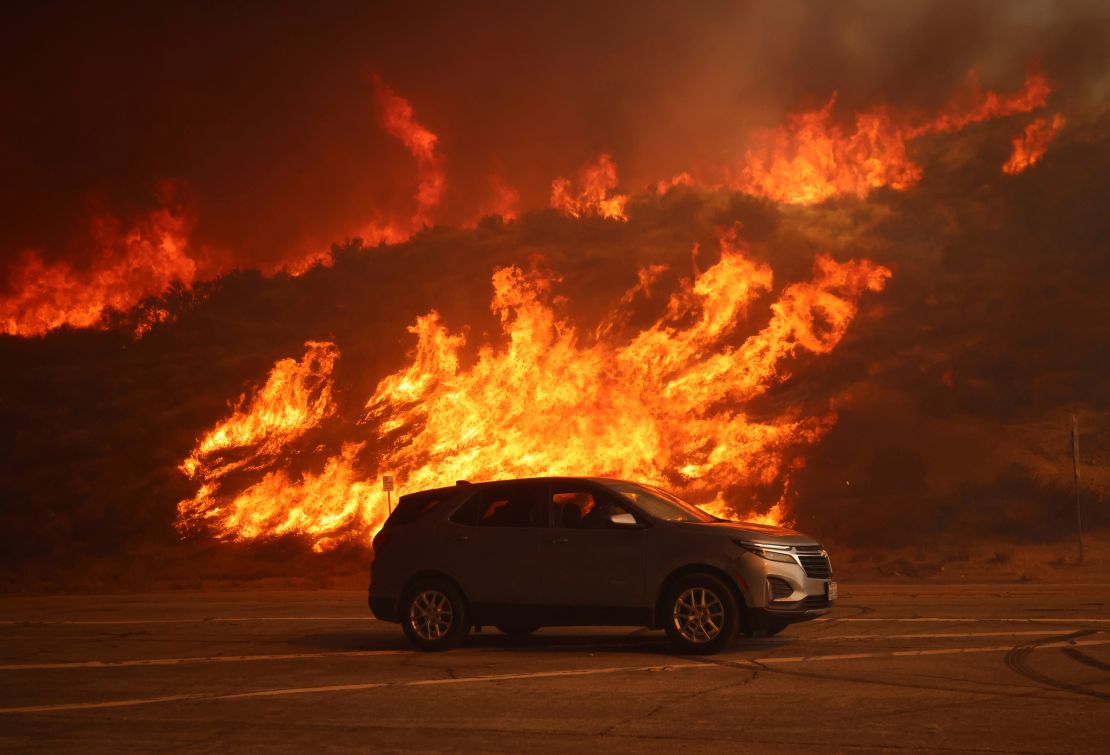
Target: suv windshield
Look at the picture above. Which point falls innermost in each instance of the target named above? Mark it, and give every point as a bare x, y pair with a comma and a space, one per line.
659, 503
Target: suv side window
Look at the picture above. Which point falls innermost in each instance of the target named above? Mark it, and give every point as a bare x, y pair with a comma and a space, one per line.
579, 507
504, 506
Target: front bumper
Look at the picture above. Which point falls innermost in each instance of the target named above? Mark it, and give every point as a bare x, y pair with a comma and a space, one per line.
809, 601
780, 593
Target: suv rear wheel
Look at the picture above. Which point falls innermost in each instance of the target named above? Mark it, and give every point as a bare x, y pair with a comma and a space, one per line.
701, 614
433, 615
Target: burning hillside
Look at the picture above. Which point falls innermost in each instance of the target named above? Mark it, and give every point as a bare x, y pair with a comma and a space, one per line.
665, 404
858, 292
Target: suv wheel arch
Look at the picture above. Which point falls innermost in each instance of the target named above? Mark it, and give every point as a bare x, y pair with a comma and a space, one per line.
430, 574
685, 571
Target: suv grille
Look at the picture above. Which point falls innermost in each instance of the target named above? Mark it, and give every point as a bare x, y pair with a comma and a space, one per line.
814, 561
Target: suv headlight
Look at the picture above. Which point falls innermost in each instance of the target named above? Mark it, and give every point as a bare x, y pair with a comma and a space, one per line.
769, 551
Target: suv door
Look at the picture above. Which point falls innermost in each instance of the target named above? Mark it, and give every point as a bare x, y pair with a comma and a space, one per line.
588, 561
491, 543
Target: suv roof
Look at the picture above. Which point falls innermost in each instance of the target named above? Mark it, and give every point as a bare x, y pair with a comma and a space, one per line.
465, 483
413, 506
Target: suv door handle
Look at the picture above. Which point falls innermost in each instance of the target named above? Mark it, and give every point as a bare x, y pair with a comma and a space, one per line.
462, 538
557, 541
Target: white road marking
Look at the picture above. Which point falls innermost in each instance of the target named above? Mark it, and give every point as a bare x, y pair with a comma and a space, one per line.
203, 659
207, 620
916, 636
985, 619
343, 688
140, 662
754, 663
928, 651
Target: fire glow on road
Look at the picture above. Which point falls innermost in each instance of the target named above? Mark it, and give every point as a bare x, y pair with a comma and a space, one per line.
704, 666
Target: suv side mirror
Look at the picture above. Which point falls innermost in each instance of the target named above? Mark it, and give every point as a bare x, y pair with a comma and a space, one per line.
624, 520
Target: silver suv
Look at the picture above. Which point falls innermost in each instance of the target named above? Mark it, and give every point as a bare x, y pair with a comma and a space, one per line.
573, 551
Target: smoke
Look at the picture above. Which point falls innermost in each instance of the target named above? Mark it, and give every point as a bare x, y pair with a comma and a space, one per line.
953, 388
267, 115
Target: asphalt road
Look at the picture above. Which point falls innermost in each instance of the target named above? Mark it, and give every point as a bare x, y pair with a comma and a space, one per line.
1010, 668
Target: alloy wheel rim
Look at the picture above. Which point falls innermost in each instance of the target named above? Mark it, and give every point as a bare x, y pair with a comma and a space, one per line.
431, 615
699, 615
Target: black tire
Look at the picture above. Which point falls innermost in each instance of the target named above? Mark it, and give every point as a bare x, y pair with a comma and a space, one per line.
433, 615
517, 630
712, 611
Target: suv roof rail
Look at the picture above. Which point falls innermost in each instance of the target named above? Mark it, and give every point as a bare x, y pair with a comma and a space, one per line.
462, 482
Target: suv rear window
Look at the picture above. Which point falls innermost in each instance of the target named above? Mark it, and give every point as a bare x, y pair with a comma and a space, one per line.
504, 506
414, 506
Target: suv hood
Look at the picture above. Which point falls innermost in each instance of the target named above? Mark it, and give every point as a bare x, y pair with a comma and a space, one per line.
752, 531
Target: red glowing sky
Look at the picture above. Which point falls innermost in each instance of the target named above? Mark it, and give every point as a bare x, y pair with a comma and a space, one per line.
266, 117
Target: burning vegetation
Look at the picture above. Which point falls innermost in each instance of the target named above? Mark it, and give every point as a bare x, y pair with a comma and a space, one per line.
126, 262
888, 308
1031, 144
593, 195
665, 404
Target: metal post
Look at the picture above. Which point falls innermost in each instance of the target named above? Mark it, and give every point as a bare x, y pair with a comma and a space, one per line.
389, 503
387, 485
1075, 469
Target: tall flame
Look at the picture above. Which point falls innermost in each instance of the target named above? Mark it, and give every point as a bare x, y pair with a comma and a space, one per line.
296, 397
813, 157
1030, 145
810, 158
664, 405
593, 195
505, 202
398, 119
128, 263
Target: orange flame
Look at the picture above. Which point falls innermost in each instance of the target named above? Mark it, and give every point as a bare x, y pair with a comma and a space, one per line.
667, 184
399, 122
297, 397
972, 105
503, 202
505, 199
812, 157
664, 405
397, 118
1031, 144
131, 264
592, 197
128, 264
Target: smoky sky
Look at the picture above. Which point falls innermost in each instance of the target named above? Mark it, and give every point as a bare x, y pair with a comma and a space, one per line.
954, 387
263, 114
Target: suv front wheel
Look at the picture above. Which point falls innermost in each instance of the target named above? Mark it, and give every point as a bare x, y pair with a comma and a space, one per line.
701, 615
433, 615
